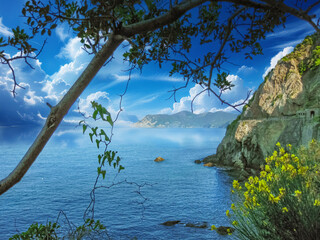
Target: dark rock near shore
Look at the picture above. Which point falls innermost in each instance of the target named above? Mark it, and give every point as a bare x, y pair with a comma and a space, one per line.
224, 230
170, 223
197, 225
198, 161
159, 159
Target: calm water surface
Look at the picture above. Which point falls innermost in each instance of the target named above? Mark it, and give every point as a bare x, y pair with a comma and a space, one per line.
62, 176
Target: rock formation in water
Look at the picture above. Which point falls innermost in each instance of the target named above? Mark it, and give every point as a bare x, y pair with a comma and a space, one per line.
285, 109
187, 119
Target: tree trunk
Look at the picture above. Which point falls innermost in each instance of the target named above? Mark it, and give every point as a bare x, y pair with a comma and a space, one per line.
59, 111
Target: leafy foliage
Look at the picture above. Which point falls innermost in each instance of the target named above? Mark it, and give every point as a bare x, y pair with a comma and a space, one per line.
232, 27
99, 137
38, 232
284, 202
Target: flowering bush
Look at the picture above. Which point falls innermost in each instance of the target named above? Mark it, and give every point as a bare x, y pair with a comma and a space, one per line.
284, 202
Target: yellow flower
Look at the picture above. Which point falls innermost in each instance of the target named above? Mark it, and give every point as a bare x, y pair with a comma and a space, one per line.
278, 144
293, 173
275, 154
229, 232
303, 170
289, 146
281, 192
317, 203
285, 209
236, 184
251, 180
213, 227
297, 194
267, 168
308, 184
273, 199
228, 213
263, 174
233, 207
270, 177
235, 223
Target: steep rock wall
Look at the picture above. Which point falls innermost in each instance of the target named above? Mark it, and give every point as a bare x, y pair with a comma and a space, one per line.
285, 109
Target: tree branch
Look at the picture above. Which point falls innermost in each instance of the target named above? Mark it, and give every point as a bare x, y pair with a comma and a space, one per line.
58, 112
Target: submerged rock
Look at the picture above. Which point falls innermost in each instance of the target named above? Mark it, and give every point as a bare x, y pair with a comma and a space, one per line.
159, 159
225, 230
197, 225
170, 223
198, 161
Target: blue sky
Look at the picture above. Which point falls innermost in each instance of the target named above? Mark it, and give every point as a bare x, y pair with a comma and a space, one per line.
63, 60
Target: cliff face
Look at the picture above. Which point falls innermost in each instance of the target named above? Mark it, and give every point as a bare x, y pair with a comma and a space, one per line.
285, 109
186, 119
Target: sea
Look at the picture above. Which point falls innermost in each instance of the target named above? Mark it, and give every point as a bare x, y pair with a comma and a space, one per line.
132, 204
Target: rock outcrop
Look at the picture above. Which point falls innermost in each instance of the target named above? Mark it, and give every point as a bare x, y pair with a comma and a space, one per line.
285, 109
159, 159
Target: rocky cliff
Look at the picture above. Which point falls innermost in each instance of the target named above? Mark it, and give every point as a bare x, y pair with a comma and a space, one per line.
187, 119
285, 109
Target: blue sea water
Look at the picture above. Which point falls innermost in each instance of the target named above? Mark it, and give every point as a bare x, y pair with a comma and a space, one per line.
63, 175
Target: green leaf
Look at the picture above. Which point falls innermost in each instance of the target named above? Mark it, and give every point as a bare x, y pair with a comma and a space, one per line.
103, 174
95, 113
109, 120
121, 168
98, 143
91, 135
53, 26
84, 128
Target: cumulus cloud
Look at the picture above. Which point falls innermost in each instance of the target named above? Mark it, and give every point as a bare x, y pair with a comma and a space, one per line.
72, 50
62, 32
276, 58
85, 103
209, 103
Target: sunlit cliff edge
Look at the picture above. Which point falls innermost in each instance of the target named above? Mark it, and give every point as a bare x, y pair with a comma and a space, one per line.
285, 109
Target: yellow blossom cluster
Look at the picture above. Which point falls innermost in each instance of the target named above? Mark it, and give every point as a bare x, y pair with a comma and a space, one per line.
281, 165
287, 183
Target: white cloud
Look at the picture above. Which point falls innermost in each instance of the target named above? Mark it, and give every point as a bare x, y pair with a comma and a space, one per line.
85, 103
72, 50
62, 32
276, 58
31, 98
208, 102
4, 30
245, 70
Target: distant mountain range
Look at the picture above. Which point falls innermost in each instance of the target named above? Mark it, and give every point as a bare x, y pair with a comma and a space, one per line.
187, 119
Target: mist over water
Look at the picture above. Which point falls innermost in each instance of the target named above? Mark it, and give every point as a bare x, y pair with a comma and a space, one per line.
64, 173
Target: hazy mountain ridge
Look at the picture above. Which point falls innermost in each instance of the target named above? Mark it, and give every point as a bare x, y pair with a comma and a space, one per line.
187, 119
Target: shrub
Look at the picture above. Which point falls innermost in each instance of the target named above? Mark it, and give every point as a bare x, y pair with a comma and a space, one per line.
284, 202
38, 231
